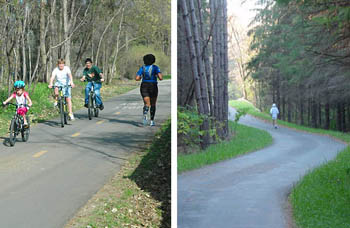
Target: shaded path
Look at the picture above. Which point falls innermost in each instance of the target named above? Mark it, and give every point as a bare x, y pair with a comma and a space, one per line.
46, 180
251, 191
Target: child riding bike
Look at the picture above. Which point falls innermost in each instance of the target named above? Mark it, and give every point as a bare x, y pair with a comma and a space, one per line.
22, 100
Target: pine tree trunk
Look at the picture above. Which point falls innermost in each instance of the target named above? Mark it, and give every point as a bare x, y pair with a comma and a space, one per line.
206, 59
194, 64
327, 119
301, 111
202, 76
226, 70
339, 117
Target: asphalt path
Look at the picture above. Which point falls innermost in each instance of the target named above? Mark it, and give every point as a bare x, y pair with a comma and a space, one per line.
251, 191
47, 179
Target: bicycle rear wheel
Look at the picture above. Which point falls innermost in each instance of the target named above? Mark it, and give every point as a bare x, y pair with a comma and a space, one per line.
91, 106
25, 132
12, 138
61, 112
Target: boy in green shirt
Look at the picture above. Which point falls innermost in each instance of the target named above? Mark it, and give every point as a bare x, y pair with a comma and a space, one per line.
94, 76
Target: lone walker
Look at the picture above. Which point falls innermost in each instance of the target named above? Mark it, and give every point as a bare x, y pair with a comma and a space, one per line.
274, 113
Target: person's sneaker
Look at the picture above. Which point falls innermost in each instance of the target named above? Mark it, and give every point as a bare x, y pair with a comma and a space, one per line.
152, 123
101, 107
86, 105
71, 117
55, 104
145, 119
26, 126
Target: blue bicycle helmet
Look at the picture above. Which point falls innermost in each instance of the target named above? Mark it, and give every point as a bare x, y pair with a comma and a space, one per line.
19, 84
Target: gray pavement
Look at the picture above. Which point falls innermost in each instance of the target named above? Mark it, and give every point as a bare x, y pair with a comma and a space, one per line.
251, 191
46, 180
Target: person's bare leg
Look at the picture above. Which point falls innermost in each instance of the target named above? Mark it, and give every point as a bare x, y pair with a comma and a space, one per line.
56, 94
25, 120
69, 103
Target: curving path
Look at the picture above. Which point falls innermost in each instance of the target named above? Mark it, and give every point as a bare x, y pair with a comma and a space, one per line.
250, 191
46, 180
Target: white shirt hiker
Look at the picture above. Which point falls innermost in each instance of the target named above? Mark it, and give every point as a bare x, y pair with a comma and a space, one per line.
62, 76
274, 112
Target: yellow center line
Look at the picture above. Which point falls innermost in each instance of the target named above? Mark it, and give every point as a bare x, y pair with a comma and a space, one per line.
40, 153
117, 113
76, 134
101, 121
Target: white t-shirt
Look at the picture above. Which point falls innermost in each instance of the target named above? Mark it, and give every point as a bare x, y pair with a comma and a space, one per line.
274, 112
62, 76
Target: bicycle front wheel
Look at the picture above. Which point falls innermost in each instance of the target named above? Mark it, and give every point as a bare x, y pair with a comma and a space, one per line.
13, 132
90, 107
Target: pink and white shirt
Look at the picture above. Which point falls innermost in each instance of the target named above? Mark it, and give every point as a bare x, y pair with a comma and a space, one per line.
20, 100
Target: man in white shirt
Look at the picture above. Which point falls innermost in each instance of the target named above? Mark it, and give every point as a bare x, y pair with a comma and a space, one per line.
64, 78
274, 113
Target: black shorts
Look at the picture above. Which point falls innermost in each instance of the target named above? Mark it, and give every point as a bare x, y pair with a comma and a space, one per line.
149, 89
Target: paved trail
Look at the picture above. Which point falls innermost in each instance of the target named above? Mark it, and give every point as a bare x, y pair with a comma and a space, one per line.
251, 191
46, 180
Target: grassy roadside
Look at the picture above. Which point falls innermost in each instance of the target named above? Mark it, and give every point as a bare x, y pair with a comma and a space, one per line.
167, 77
242, 104
321, 198
42, 108
247, 139
140, 193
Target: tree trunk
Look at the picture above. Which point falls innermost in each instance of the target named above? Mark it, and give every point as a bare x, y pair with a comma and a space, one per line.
202, 77
226, 70
289, 110
339, 117
320, 115
66, 27
42, 40
327, 119
194, 64
205, 55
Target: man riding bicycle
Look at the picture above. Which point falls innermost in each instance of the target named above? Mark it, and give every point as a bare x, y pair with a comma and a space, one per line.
94, 76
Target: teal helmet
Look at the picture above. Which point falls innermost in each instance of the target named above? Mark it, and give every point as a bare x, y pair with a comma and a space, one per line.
19, 84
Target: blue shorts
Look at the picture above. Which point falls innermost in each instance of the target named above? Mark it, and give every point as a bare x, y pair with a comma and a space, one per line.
67, 90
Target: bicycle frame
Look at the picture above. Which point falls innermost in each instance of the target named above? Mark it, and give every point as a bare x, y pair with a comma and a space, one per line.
61, 101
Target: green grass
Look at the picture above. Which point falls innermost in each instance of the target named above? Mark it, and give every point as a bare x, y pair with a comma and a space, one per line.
42, 108
166, 77
247, 139
241, 104
322, 198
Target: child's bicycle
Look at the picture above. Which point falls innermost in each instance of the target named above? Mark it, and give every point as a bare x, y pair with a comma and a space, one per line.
62, 105
92, 107
17, 126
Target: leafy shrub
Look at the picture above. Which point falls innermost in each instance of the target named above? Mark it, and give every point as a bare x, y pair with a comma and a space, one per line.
132, 60
188, 126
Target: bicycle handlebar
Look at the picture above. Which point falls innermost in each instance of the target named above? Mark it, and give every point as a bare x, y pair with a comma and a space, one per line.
60, 86
16, 105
